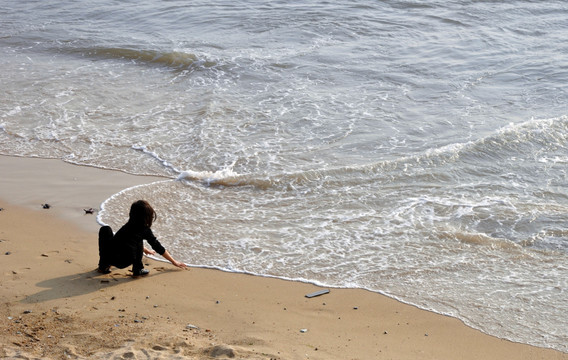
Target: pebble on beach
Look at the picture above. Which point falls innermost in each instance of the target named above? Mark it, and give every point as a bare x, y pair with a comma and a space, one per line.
221, 351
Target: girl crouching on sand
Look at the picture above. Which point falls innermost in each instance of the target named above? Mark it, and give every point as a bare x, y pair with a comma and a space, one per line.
126, 247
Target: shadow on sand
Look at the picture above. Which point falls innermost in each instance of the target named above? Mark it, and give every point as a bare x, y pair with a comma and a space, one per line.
84, 283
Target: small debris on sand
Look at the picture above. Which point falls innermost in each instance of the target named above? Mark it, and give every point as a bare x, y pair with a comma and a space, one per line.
220, 351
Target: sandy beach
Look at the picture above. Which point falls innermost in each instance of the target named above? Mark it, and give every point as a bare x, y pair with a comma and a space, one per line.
56, 306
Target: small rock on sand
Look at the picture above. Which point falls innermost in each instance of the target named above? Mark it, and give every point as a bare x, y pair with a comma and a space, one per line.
220, 351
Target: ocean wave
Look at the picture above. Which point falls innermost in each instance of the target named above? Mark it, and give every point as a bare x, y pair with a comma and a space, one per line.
155, 156
224, 177
479, 239
509, 143
513, 139
177, 60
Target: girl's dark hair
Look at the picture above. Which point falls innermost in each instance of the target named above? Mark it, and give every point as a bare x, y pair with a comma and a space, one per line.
141, 213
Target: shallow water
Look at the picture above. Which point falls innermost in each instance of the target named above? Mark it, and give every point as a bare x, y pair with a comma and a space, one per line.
413, 149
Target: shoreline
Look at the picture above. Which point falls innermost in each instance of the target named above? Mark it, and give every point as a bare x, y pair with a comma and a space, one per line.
66, 187
57, 306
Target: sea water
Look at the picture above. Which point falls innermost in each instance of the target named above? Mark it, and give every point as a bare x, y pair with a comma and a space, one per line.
413, 148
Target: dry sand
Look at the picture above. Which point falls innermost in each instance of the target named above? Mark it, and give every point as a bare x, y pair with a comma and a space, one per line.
56, 306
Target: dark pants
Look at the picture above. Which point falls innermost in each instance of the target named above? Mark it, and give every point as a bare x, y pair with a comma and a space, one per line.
113, 254
105, 243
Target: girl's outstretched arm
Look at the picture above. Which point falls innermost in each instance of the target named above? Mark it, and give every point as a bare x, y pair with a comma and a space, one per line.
168, 257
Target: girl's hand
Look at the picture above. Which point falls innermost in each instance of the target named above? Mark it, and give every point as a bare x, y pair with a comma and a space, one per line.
149, 252
179, 264
168, 257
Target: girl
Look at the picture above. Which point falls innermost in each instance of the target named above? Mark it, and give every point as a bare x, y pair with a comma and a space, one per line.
126, 247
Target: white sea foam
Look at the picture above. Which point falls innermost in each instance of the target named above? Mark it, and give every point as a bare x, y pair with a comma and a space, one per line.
226, 176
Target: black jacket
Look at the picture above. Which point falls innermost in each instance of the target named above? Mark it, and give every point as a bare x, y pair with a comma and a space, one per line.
128, 245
